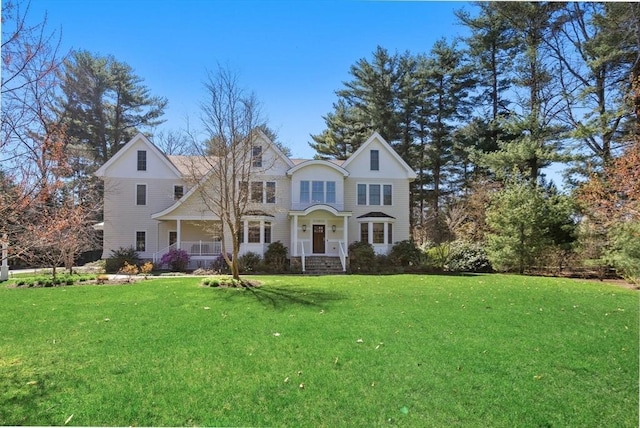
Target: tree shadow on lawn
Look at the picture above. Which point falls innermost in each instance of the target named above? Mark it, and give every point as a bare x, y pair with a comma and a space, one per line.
282, 297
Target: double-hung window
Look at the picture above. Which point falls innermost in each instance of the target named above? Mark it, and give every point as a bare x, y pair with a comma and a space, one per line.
142, 160
331, 192
317, 191
362, 194
141, 241
256, 156
381, 232
271, 192
375, 160
263, 192
386, 195
141, 194
254, 232
375, 194
256, 191
305, 195
178, 192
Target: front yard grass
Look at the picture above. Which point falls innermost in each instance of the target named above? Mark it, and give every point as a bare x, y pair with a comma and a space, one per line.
410, 350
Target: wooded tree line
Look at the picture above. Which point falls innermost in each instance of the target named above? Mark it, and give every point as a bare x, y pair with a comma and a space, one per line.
479, 119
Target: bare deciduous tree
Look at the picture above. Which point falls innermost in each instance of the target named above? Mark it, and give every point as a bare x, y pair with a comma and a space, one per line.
231, 117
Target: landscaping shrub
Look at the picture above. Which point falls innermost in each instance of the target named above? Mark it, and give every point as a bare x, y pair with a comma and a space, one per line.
220, 265
176, 259
624, 251
275, 258
119, 257
362, 258
437, 257
467, 256
249, 262
405, 253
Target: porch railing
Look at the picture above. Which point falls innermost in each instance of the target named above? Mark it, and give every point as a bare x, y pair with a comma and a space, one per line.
158, 255
202, 248
343, 256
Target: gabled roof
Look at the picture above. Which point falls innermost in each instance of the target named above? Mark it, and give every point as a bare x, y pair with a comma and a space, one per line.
193, 166
375, 136
275, 148
101, 172
206, 167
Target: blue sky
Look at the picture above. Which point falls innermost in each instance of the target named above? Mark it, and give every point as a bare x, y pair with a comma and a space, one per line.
293, 54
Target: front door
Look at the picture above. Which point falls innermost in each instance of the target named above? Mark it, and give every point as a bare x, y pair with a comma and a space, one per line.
318, 239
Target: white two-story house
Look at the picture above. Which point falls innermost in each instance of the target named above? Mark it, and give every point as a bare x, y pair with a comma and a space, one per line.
313, 207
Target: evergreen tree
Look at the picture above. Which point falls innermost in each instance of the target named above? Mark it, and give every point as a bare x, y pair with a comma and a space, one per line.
528, 223
104, 104
344, 133
446, 80
492, 49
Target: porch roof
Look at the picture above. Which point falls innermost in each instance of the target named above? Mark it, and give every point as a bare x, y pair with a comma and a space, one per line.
320, 207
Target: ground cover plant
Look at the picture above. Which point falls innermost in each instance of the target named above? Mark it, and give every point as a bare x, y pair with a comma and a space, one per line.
406, 350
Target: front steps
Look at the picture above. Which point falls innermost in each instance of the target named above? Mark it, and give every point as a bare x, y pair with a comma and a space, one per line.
322, 265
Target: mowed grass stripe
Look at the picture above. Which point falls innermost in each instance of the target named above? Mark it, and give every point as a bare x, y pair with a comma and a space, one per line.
487, 350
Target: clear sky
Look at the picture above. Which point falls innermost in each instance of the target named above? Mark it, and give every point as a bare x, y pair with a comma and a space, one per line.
293, 54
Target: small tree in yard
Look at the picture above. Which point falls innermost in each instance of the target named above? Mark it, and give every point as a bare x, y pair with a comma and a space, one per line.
231, 119
516, 217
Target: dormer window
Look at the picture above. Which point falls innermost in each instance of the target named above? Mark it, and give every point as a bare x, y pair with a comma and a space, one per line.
142, 160
375, 160
256, 156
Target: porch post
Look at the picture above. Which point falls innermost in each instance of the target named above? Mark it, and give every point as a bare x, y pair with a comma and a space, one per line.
295, 235
345, 233
178, 233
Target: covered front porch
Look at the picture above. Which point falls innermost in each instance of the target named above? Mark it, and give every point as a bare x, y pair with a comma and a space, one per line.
319, 230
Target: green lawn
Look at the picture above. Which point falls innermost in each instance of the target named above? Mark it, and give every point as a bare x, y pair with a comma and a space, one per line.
406, 350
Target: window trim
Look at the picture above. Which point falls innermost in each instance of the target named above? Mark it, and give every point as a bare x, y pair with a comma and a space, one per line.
146, 192
367, 194
142, 248
263, 225
256, 156
374, 161
176, 193
141, 161
387, 230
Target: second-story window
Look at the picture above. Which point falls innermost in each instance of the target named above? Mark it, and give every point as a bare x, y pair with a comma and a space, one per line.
178, 192
142, 160
318, 192
375, 194
256, 157
141, 194
256, 191
304, 191
271, 192
263, 192
331, 192
375, 160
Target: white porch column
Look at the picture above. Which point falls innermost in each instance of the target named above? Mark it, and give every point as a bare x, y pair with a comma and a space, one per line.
345, 234
178, 233
294, 242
